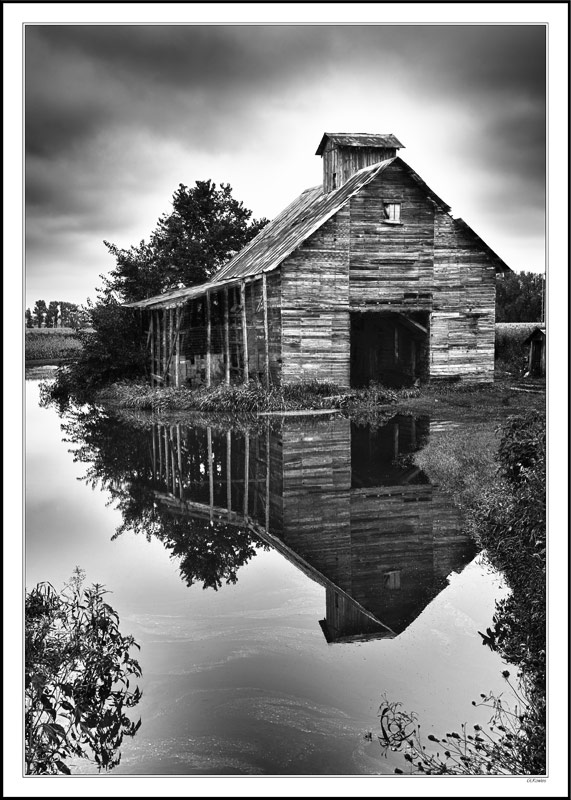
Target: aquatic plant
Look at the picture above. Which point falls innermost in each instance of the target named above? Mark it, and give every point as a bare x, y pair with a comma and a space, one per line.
503, 747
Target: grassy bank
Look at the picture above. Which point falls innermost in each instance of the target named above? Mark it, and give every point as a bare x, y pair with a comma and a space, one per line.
240, 399
43, 344
484, 402
497, 476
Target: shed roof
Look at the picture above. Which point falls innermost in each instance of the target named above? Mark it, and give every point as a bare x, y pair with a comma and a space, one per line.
537, 333
358, 140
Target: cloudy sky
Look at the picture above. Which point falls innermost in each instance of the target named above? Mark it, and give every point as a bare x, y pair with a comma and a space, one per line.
116, 116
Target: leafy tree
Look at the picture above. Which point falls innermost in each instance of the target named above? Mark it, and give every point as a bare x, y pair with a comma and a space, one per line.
40, 311
78, 666
52, 316
519, 297
29, 319
205, 228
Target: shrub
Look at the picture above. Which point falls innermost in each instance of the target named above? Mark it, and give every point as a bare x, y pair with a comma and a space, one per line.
77, 678
506, 514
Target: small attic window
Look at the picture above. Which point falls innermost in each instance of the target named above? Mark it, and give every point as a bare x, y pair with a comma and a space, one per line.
392, 213
334, 181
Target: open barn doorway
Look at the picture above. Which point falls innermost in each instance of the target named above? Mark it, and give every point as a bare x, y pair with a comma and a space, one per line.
389, 347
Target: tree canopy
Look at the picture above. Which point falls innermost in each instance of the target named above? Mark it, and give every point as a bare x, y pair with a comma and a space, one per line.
205, 228
519, 297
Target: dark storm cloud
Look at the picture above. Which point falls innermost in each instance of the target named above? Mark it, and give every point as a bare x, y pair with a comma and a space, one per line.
108, 106
81, 79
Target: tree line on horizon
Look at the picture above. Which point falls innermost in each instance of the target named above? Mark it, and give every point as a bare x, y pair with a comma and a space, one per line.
56, 314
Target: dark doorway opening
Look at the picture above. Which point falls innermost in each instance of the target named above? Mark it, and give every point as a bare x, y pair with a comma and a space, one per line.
389, 347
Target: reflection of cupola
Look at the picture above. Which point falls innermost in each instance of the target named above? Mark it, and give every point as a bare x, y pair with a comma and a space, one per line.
346, 153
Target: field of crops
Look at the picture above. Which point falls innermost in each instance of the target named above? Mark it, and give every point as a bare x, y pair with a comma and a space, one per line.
51, 343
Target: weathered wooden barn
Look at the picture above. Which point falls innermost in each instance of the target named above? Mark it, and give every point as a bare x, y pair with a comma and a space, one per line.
366, 277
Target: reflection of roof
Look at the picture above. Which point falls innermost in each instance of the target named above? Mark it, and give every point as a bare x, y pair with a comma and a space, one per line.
358, 140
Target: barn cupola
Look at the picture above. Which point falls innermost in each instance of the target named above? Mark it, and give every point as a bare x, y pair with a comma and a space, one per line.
344, 154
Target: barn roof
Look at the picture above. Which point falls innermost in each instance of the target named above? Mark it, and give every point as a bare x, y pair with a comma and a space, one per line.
501, 265
300, 219
286, 232
278, 239
358, 140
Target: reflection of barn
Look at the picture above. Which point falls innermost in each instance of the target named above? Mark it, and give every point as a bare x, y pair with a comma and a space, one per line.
343, 503
364, 277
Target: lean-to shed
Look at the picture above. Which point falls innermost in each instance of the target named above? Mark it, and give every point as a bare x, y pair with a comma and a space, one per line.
366, 277
536, 342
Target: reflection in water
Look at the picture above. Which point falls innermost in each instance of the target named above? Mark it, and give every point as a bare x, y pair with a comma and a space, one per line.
343, 502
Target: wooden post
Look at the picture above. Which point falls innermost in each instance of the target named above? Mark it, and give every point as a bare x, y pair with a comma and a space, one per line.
208, 341
244, 330
266, 330
177, 348
179, 454
210, 472
160, 443
154, 454
173, 463
170, 343
268, 475
163, 371
229, 470
158, 342
152, 330
246, 470
227, 336
167, 456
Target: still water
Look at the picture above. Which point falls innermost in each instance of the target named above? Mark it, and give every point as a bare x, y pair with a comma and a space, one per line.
281, 577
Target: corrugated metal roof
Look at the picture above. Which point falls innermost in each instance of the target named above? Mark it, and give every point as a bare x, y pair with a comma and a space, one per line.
358, 140
290, 229
286, 232
175, 298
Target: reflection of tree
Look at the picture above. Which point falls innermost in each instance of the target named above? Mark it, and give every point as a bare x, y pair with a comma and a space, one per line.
120, 461
211, 552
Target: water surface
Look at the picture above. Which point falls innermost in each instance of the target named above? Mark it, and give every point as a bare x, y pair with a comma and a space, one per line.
280, 577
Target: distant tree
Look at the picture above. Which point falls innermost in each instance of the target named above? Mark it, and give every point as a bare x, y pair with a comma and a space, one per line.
52, 316
40, 311
29, 319
519, 297
205, 228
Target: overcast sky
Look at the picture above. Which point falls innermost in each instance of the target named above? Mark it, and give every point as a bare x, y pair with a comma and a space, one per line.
118, 116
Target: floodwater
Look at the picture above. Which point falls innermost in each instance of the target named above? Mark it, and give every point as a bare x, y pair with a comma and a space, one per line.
281, 577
